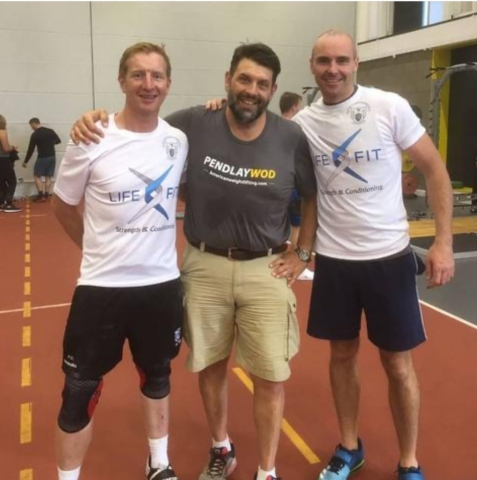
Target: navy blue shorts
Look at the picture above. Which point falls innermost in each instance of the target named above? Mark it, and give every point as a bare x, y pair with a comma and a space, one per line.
44, 167
385, 289
101, 319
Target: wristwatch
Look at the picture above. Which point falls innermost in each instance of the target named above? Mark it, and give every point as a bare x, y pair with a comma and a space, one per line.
303, 255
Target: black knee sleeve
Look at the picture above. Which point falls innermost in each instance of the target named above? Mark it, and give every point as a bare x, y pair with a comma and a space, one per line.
156, 383
80, 398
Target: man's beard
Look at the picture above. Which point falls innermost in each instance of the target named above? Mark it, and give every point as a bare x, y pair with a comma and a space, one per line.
242, 116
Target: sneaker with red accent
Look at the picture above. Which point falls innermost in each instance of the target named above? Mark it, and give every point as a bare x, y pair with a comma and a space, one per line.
159, 473
222, 463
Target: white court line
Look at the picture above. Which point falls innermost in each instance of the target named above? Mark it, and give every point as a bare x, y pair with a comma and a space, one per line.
447, 314
35, 215
16, 310
432, 307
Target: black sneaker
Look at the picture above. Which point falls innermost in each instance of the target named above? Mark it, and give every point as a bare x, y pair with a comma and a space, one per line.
222, 463
2, 207
158, 474
12, 208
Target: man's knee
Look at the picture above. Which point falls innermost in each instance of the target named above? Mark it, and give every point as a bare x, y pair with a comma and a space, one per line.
80, 398
156, 383
344, 351
397, 365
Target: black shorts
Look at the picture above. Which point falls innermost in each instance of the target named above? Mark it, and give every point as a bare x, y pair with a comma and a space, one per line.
385, 289
101, 319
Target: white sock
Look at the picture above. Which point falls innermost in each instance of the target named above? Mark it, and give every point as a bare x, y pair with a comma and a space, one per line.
69, 474
263, 475
224, 443
158, 449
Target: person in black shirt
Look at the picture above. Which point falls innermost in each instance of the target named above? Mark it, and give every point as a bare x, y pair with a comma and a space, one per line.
45, 140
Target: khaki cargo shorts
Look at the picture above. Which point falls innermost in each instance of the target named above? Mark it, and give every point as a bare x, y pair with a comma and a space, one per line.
238, 300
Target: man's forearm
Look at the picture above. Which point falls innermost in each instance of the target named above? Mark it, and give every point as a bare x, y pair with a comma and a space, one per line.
306, 238
439, 193
70, 219
73, 226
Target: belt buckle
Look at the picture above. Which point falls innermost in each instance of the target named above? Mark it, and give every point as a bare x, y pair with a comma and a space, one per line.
229, 252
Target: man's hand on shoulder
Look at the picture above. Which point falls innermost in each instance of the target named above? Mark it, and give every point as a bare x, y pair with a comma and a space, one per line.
215, 104
84, 129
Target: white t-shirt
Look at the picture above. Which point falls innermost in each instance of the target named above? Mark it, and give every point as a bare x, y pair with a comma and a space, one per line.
356, 148
129, 182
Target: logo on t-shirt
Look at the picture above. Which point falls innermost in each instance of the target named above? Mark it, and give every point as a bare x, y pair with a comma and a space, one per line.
153, 194
358, 112
171, 146
341, 159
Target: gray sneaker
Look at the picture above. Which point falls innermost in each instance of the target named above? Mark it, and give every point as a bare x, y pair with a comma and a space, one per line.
222, 463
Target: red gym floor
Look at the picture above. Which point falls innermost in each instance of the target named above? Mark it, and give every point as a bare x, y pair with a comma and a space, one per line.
39, 270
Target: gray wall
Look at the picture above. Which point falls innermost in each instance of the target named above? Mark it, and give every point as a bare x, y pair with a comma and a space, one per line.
405, 74
60, 58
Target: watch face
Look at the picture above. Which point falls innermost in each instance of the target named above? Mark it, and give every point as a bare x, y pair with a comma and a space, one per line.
303, 255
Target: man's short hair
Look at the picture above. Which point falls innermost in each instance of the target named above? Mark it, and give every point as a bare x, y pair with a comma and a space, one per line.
288, 100
34, 121
336, 33
143, 47
259, 53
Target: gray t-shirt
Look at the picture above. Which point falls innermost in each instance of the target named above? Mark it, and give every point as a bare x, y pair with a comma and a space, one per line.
238, 192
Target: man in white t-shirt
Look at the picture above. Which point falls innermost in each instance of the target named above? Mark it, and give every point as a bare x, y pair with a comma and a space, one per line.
129, 286
364, 261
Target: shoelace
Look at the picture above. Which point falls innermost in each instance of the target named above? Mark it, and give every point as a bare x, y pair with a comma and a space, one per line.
217, 463
336, 464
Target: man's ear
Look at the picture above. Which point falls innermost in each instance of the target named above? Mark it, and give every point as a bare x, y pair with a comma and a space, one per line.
228, 79
121, 81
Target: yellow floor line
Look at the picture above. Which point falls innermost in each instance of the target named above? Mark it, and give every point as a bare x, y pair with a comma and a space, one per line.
26, 372
27, 258
27, 247
287, 429
25, 423
26, 474
27, 237
27, 222
26, 336
26, 309
27, 288
27, 229
27, 271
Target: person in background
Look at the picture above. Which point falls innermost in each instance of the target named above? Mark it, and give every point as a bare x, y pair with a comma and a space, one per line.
290, 104
44, 139
8, 178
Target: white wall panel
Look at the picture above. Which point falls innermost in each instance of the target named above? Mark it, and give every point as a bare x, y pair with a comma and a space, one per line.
61, 58
459, 31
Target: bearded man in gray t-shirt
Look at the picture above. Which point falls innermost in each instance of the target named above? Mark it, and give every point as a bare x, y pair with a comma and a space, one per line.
243, 165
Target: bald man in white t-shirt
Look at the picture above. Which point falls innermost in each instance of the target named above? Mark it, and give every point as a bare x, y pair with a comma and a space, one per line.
364, 262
